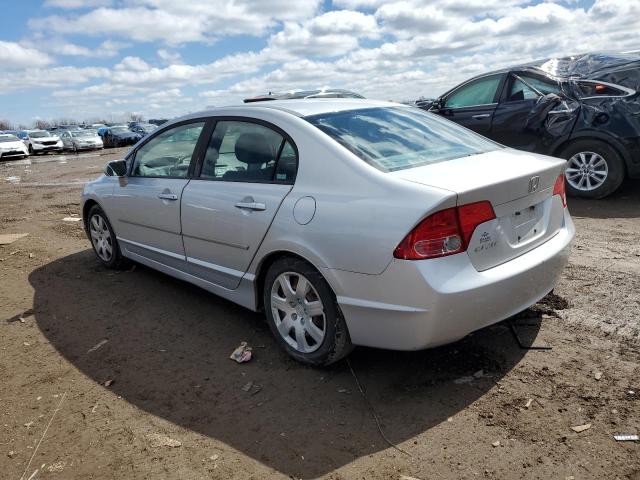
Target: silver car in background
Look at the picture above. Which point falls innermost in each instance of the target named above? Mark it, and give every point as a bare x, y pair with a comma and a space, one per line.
77, 140
348, 222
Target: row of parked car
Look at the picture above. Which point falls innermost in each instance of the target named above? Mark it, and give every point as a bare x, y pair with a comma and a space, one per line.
15, 144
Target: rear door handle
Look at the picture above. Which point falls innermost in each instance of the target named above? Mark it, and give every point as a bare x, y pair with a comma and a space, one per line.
251, 206
480, 116
168, 196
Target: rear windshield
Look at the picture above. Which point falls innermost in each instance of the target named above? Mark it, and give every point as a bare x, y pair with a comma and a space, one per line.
396, 138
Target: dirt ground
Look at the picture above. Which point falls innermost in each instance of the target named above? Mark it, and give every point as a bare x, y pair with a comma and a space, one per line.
126, 375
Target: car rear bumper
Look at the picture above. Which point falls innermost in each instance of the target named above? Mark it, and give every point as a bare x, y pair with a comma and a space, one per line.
419, 304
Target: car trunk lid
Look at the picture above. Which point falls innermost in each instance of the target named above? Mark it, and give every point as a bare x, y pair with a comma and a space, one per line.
519, 186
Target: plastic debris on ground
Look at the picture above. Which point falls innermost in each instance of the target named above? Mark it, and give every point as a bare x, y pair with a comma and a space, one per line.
627, 438
242, 353
9, 238
71, 219
581, 428
97, 346
159, 440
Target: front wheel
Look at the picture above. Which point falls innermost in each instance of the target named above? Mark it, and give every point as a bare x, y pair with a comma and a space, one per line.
303, 313
594, 169
103, 239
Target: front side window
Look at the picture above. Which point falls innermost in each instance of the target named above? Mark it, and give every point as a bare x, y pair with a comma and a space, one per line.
169, 153
528, 87
395, 138
241, 151
477, 92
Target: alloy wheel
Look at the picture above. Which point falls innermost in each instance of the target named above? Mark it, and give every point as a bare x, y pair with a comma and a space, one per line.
298, 312
101, 237
587, 171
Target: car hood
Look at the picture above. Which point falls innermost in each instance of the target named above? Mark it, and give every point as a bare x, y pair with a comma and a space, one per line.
126, 135
45, 139
7, 145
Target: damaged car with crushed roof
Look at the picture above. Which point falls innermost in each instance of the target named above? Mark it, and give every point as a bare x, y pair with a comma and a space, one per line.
584, 108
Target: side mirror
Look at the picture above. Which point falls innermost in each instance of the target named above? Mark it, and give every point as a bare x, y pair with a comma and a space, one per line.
436, 106
116, 168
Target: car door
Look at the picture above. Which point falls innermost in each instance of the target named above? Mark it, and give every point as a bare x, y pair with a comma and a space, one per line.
510, 119
66, 140
248, 169
145, 206
473, 103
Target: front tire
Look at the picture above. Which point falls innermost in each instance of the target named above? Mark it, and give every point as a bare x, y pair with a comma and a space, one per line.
103, 239
594, 169
303, 313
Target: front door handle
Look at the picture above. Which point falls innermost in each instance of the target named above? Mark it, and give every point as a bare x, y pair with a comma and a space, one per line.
480, 116
168, 196
251, 206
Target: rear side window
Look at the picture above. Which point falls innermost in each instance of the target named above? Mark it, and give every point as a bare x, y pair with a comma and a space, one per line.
240, 151
477, 92
395, 138
598, 89
527, 87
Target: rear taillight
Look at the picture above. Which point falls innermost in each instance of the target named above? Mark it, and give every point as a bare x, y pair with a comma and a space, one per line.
445, 232
559, 189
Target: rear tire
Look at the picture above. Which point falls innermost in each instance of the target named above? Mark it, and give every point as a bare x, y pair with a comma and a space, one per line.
305, 320
103, 239
594, 169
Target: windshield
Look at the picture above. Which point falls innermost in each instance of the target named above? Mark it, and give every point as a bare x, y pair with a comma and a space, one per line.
396, 138
84, 133
147, 128
9, 138
119, 130
40, 134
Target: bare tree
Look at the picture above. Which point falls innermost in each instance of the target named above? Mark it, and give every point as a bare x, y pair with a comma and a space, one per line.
135, 117
5, 125
41, 124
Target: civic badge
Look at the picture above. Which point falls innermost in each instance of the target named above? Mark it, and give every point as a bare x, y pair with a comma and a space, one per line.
534, 183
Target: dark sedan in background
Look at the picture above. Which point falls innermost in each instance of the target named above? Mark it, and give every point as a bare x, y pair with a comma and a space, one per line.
119, 136
584, 108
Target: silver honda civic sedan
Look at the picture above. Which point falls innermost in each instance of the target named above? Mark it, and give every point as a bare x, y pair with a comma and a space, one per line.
348, 222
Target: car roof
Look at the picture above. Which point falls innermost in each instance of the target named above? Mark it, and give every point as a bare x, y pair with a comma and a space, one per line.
299, 107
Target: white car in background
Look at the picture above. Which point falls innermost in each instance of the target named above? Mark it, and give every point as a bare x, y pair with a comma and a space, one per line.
12, 147
41, 141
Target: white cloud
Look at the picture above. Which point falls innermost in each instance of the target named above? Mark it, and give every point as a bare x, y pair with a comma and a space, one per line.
14, 55
73, 4
175, 23
399, 49
169, 57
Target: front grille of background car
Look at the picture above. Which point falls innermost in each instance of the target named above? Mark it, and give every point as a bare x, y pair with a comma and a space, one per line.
49, 142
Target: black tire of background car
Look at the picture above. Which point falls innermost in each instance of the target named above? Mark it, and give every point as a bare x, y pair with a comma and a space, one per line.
615, 165
30, 150
337, 343
117, 262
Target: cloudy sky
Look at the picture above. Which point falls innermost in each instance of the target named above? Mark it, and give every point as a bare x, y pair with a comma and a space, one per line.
102, 58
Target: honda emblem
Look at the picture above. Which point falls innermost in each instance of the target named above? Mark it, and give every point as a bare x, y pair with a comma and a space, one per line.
534, 183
